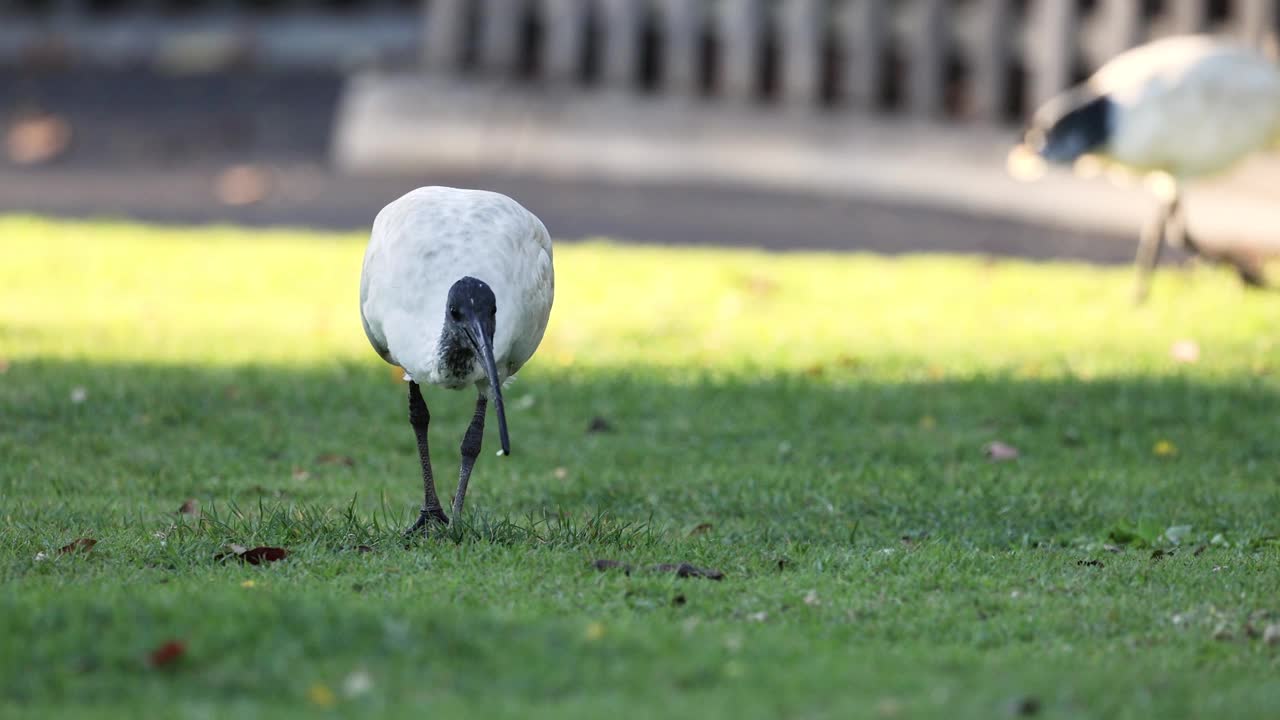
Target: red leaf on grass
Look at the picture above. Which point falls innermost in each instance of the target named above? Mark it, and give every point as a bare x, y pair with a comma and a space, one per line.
190, 507
254, 556
263, 554
167, 653
85, 544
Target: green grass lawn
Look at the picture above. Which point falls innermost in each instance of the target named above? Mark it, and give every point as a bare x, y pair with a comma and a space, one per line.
813, 426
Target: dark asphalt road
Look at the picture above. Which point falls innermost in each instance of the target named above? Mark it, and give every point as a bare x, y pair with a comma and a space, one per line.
153, 147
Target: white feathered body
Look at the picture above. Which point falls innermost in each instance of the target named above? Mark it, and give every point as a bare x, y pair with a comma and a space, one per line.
428, 239
1190, 105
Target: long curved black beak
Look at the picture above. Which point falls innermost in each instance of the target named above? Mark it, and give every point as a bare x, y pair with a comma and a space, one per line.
482, 338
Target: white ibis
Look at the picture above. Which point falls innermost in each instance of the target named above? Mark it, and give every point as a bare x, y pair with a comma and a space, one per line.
1180, 108
456, 289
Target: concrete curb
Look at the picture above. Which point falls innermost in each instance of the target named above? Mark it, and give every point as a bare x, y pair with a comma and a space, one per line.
408, 123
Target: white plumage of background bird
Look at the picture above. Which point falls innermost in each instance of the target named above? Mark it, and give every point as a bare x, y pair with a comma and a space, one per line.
456, 288
1175, 109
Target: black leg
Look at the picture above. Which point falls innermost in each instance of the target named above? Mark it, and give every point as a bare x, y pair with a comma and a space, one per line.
1149, 246
419, 418
470, 451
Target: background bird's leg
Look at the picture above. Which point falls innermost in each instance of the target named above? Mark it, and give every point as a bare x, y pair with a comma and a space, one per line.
470, 451
1248, 268
419, 418
1149, 246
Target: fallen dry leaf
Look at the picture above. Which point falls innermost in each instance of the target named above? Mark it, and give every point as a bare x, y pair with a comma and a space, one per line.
37, 139
4, 366
85, 544
335, 459
300, 473
686, 570
599, 425
700, 529
1000, 452
254, 556
1185, 351
243, 185
167, 653
190, 507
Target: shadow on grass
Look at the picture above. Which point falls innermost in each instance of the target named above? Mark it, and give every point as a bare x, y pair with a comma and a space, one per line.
766, 460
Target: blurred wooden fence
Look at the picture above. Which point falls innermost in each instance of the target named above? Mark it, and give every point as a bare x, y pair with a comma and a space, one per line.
979, 60
984, 60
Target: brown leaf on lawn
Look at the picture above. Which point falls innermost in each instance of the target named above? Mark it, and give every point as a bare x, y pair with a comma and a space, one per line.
1185, 351
700, 529
300, 473
167, 653
190, 507
335, 459
4, 366
599, 425
685, 570
254, 556
263, 554
37, 138
85, 544
603, 565
243, 185
1000, 452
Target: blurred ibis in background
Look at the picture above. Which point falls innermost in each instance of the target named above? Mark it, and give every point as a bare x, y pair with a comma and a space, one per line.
1175, 109
456, 289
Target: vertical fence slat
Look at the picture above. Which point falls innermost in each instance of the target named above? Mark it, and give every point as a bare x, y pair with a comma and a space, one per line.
1257, 22
801, 23
499, 35
681, 22
1187, 16
1117, 27
989, 59
620, 23
740, 25
1051, 48
443, 33
566, 24
864, 32
929, 45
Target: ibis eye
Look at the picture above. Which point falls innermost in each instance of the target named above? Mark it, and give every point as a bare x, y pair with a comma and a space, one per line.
453, 313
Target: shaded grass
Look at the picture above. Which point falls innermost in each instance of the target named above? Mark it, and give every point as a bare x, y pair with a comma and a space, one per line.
826, 415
